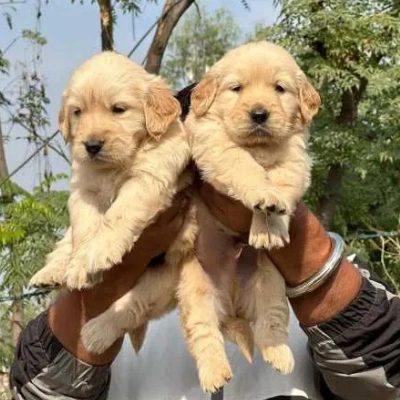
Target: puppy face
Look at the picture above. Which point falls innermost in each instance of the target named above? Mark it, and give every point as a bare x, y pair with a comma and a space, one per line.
259, 94
110, 106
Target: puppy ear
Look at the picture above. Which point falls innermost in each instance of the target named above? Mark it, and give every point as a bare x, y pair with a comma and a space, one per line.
63, 121
309, 99
203, 95
160, 109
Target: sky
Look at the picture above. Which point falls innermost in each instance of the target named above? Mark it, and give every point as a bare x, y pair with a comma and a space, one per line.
72, 33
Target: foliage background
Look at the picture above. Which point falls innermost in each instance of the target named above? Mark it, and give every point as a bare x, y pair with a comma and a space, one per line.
348, 48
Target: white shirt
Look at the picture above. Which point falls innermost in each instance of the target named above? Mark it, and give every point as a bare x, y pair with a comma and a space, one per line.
164, 369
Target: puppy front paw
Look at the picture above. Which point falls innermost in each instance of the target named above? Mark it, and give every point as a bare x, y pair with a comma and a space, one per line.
272, 233
272, 203
259, 240
214, 373
278, 231
107, 248
267, 240
104, 252
77, 278
280, 357
48, 276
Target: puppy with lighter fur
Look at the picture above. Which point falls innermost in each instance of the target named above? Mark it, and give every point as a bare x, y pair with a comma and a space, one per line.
248, 126
129, 150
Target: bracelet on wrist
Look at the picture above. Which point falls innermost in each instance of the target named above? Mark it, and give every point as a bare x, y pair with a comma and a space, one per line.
320, 277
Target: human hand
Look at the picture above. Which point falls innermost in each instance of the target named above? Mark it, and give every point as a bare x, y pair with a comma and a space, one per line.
306, 254
229, 212
309, 242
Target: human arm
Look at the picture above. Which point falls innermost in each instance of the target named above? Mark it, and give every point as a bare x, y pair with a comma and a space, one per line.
351, 321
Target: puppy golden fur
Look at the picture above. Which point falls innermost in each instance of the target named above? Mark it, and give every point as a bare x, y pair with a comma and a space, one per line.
248, 126
128, 150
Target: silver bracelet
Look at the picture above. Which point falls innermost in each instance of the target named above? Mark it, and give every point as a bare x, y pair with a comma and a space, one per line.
324, 273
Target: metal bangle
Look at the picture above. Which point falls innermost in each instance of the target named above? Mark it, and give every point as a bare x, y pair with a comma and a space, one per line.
324, 273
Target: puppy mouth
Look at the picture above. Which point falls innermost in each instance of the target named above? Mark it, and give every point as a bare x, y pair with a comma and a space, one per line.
95, 157
261, 131
108, 160
100, 157
104, 159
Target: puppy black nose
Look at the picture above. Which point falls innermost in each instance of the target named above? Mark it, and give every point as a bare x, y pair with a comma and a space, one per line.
93, 146
259, 115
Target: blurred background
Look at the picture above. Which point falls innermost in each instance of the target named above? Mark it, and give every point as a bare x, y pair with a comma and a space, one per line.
348, 48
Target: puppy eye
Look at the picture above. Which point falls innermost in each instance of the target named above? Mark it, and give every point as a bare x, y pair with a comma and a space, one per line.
77, 112
236, 88
118, 109
280, 89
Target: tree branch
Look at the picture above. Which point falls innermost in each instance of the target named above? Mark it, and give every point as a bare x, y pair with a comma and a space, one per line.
11, 3
40, 138
106, 24
172, 11
3, 162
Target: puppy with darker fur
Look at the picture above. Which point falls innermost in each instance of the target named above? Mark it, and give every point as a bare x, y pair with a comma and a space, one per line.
248, 126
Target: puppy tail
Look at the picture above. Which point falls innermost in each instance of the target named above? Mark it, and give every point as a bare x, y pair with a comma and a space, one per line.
137, 336
238, 331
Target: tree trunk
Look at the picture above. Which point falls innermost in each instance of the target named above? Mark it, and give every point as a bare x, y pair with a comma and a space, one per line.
347, 118
106, 24
17, 312
6, 193
172, 12
328, 201
17, 316
3, 162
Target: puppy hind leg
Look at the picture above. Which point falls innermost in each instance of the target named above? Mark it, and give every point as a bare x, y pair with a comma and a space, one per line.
198, 302
264, 302
153, 296
100, 333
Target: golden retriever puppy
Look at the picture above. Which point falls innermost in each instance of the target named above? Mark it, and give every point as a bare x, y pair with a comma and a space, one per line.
248, 126
128, 150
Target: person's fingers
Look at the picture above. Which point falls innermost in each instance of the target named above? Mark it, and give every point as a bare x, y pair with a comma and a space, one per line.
230, 212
